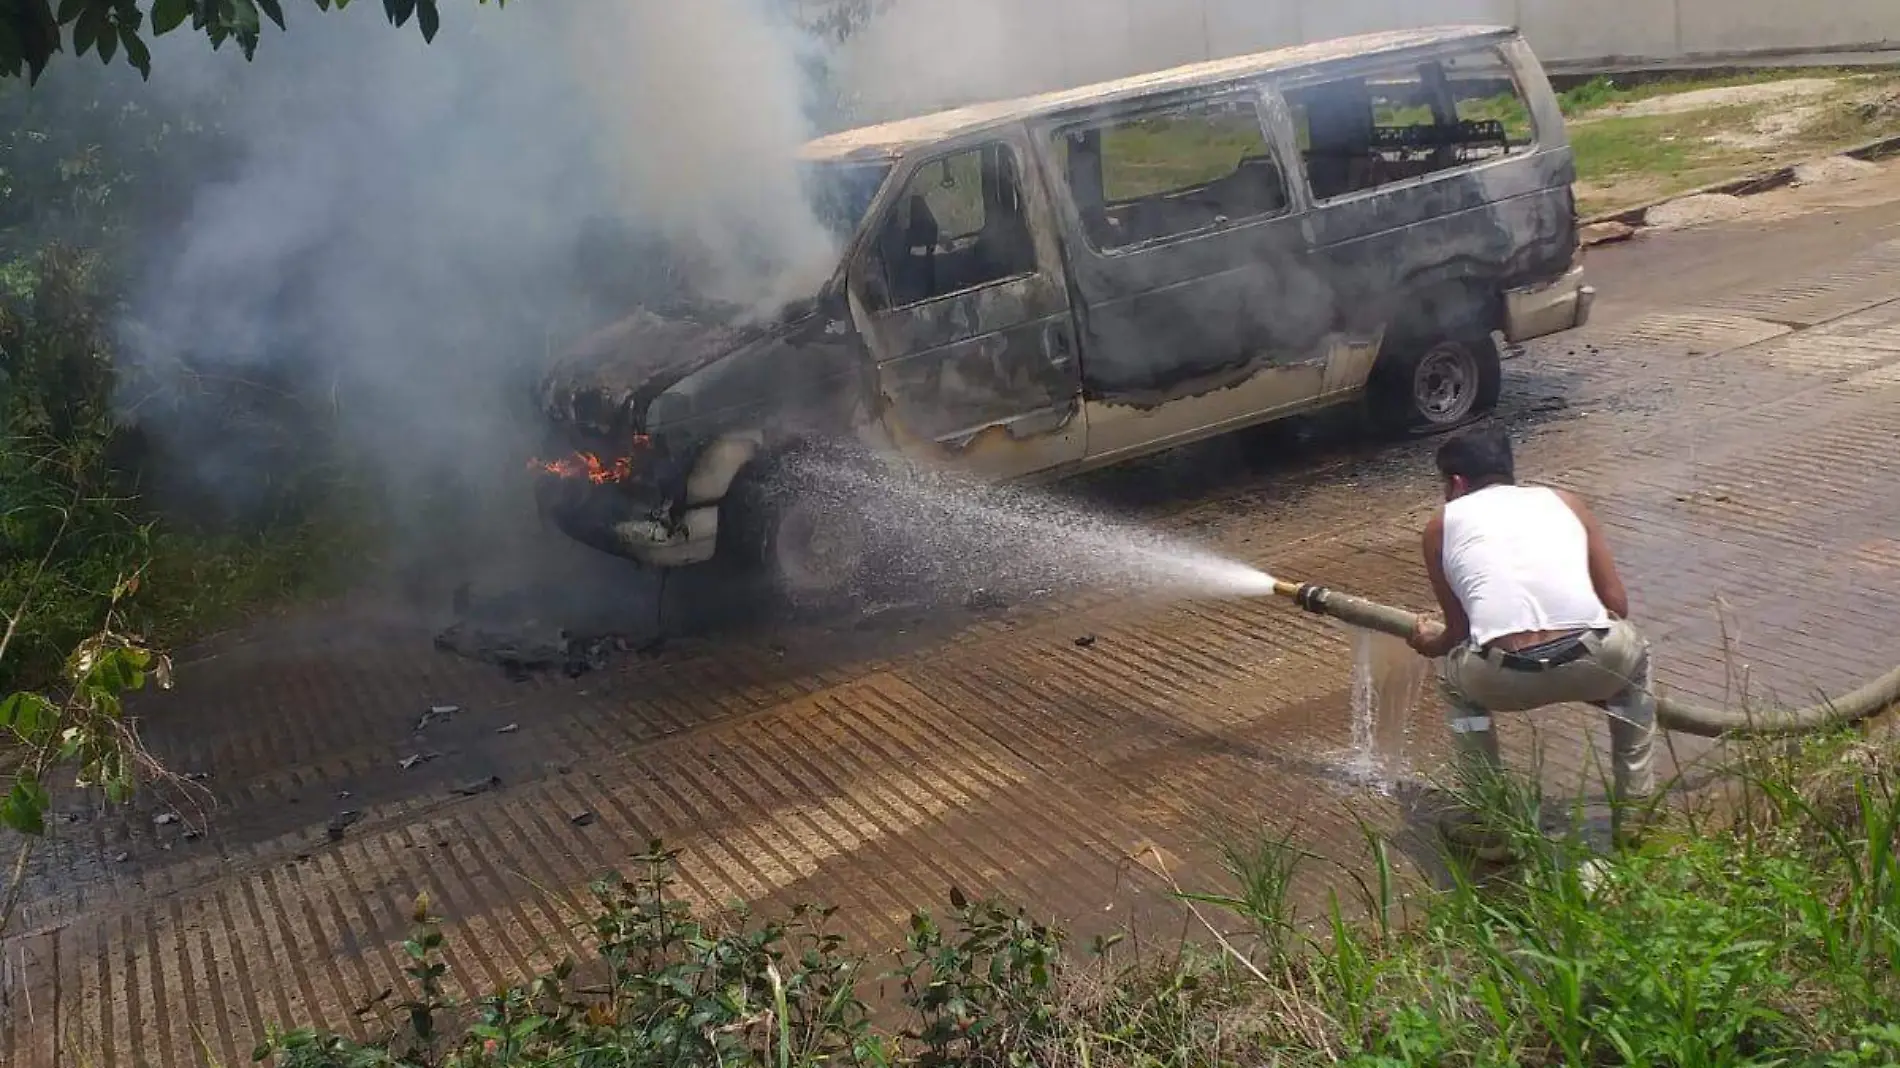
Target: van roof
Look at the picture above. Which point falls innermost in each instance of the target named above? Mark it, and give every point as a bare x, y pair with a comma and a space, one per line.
893, 139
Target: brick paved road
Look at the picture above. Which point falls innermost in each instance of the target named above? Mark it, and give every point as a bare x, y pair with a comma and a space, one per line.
1732, 411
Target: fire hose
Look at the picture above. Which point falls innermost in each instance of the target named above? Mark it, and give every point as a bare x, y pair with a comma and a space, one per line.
1862, 703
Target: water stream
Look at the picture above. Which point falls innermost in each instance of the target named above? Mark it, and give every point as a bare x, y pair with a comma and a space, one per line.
940, 533
1388, 679
954, 534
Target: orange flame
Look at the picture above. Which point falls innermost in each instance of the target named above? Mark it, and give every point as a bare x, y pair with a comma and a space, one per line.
586, 465
590, 466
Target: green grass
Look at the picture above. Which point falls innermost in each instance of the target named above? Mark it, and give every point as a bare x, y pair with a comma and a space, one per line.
186, 585
1630, 160
1627, 160
1163, 155
1604, 90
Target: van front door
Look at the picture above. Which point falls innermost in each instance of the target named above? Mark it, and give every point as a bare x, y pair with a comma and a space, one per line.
1201, 312
962, 300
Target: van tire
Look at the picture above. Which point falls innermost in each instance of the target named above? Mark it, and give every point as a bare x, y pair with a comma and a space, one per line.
802, 533
1432, 385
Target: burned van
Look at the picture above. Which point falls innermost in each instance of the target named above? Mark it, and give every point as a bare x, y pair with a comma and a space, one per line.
1037, 287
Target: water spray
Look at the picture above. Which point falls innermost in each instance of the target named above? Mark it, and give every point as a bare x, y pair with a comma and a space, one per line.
1865, 702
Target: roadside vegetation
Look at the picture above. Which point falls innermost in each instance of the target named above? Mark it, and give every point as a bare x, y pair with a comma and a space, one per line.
95, 577
80, 536
1760, 930
1638, 143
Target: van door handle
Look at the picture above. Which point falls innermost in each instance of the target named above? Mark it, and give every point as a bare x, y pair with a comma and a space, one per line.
1057, 345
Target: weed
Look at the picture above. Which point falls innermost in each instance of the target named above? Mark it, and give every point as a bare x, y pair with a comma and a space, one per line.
983, 994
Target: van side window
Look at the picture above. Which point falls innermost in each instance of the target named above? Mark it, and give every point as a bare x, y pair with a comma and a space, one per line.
1484, 89
960, 224
1372, 130
1161, 174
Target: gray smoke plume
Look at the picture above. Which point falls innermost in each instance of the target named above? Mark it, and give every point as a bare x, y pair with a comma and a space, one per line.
405, 230
402, 232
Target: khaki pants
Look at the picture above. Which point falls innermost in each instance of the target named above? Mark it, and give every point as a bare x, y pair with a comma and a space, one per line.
1613, 674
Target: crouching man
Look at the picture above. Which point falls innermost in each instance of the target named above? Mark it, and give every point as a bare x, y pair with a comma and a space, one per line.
1534, 615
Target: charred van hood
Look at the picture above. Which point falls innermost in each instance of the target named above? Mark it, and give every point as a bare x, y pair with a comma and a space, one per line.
603, 385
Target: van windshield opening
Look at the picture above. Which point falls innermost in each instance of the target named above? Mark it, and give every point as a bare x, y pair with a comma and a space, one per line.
841, 193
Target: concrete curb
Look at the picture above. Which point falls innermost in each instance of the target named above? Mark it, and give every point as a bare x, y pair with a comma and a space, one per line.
1747, 185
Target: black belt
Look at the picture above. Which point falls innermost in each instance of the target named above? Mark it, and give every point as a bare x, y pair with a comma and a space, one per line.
1544, 655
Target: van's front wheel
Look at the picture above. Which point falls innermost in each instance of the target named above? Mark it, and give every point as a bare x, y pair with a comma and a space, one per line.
795, 522
1436, 386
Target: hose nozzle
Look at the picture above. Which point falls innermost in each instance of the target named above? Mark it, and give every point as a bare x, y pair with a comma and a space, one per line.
1355, 611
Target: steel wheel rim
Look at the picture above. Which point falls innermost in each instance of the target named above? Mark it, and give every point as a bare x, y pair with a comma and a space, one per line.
816, 549
1445, 384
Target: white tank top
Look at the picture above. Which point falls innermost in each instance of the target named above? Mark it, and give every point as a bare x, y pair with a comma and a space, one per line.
1518, 559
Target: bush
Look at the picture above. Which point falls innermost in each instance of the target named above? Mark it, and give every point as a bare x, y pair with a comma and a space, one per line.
66, 538
92, 167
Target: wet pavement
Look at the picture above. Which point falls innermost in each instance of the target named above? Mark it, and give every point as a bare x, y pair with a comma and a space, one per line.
1732, 412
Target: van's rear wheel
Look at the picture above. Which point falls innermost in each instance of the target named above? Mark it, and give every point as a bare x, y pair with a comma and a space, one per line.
1437, 385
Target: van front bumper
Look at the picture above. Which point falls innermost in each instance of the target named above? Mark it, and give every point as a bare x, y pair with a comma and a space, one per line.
623, 521
1538, 311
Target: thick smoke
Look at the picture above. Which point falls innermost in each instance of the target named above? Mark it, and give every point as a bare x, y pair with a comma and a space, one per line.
702, 109
401, 232
406, 229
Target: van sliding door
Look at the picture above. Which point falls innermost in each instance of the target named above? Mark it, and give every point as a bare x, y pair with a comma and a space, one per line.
1188, 259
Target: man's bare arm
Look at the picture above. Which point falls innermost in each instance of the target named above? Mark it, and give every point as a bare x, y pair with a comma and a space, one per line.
1603, 573
1457, 627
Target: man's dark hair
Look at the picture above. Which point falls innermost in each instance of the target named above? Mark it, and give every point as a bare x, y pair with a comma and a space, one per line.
1482, 456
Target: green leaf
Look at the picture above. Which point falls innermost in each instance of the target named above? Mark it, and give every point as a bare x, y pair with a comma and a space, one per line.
71, 9
108, 45
85, 32
113, 672
11, 51
136, 52
24, 808
167, 15
29, 715
399, 11
244, 19
274, 10
428, 18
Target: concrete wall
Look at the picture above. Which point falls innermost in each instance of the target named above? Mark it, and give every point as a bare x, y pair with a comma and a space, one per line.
1558, 29
927, 52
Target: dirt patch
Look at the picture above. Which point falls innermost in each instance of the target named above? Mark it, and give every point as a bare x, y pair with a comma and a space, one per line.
1770, 130
1695, 211
1833, 169
1623, 191
1759, 94
1605, 233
